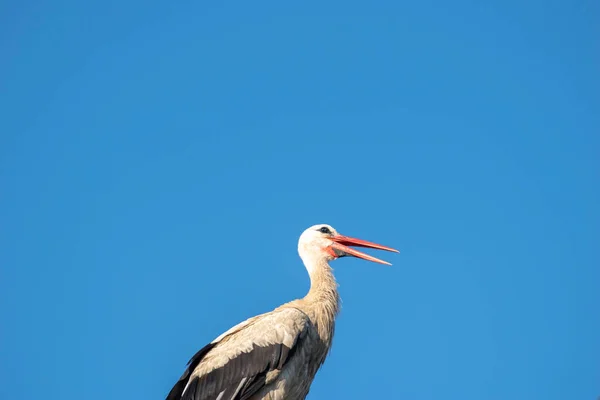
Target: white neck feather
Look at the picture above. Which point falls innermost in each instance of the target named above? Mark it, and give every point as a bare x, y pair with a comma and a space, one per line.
323, 298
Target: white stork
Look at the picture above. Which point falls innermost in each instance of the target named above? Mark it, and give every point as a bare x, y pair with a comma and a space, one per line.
275, 356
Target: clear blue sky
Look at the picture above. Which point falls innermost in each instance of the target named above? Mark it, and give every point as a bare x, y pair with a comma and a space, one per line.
159, 160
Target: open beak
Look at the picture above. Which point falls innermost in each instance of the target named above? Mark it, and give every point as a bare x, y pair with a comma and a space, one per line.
341, 249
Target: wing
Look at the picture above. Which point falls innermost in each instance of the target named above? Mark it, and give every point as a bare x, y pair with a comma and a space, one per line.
235, 365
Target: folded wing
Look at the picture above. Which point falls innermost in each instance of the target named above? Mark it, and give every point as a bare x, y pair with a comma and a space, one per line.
235, 365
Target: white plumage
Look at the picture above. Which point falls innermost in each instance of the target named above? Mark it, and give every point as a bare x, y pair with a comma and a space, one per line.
276, 355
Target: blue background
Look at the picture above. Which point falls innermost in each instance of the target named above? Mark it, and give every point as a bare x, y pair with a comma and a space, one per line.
159, 161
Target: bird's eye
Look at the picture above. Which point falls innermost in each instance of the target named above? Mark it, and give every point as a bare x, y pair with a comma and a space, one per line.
324, 229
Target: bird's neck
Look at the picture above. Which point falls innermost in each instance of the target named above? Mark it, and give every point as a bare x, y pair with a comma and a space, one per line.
323, 299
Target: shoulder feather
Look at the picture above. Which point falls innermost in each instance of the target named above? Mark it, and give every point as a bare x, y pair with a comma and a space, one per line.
235, 365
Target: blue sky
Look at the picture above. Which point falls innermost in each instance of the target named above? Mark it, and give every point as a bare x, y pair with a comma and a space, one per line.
159, 160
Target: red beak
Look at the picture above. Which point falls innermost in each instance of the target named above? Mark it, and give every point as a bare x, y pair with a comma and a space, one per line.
341, 243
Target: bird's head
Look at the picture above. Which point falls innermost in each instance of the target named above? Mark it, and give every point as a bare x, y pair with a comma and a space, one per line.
323, 242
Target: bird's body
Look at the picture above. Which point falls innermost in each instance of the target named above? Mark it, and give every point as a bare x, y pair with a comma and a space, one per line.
276, 355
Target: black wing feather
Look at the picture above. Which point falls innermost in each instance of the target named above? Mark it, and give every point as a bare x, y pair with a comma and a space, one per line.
253, 366
177, 390
246, 373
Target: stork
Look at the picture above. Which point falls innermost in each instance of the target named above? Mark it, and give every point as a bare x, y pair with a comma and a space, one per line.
276, 355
